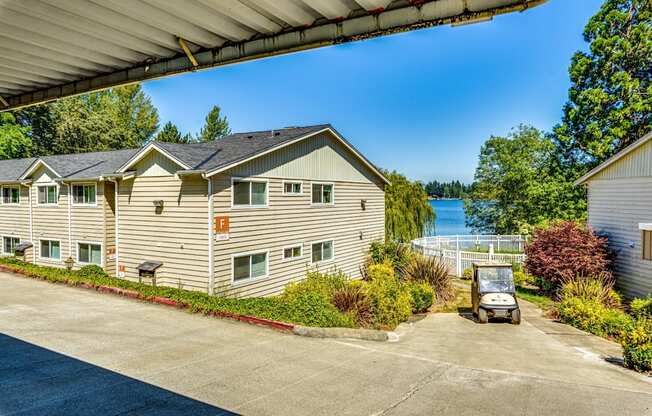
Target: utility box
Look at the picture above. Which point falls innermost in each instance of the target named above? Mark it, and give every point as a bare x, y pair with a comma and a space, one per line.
24, 251
148, 270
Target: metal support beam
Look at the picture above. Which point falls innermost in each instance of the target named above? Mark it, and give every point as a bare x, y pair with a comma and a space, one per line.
3, 102
407, 16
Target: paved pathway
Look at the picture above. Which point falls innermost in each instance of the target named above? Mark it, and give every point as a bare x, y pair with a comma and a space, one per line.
71, 351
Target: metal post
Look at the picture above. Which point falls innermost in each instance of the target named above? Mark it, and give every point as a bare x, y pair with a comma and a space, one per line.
458, 257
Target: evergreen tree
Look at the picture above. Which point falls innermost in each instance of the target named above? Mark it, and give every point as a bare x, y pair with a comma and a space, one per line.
170, 134
610, 99
215, 126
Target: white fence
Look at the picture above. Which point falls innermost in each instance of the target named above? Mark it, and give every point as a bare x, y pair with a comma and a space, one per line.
461, 251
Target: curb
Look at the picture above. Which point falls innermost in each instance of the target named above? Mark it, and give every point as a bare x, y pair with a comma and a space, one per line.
132, 294
351, 333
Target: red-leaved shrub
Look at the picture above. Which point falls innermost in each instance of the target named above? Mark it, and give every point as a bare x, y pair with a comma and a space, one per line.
565, 251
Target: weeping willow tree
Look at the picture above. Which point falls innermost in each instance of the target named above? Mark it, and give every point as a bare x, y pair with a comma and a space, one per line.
408, 214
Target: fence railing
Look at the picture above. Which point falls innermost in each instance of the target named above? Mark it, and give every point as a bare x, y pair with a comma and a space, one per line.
461, 251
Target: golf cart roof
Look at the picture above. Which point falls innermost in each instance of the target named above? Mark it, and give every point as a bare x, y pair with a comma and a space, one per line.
489, 264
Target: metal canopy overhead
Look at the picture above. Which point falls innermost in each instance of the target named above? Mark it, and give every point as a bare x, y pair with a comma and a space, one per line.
57, 48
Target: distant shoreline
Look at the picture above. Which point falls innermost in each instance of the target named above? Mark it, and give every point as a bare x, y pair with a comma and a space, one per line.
432, 198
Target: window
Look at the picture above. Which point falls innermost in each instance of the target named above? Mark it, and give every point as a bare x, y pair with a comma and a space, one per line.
322, 251
89, 253
50, 250
11, 195
84, 195
292, 252
647, 244
47, 194
249, 266
292, 188
322, 193
9, 244
249, 193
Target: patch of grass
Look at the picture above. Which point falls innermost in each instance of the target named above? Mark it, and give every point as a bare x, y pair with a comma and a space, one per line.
460, 303
534, 296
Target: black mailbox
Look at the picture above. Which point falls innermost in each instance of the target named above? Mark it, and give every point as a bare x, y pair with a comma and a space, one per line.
148, 270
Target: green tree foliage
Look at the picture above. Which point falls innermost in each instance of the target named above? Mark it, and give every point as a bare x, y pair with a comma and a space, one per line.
517, 185
215, 126
170, 134
117, 118
610, 99
408, 214
14, 138
452, 189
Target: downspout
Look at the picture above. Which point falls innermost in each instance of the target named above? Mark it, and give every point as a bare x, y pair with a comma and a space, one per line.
31, 225
69, 220
211, 277
116, 197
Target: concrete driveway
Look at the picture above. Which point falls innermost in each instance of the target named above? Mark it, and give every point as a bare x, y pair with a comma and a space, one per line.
71, 351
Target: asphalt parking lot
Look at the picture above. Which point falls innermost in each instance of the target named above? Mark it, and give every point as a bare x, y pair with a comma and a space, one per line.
71, 351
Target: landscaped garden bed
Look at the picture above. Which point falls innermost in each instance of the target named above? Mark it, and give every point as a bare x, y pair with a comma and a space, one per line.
397, 283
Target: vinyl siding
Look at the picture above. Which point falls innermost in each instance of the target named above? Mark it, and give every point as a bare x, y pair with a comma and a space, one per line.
14, 219
638, 163
88, 224
291, 220
50, 222
616, 207
177, 236
109, 227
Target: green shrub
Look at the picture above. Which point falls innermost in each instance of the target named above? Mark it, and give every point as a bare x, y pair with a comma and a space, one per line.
637, 345
641, 308
316, 282
467, 273
433, 271
92, 271
592, 289
615, 322
353, 300
397, 254
519, 278
587, 315
423, 296
391, 302
315, 309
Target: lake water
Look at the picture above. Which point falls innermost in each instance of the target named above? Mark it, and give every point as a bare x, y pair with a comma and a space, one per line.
450, 217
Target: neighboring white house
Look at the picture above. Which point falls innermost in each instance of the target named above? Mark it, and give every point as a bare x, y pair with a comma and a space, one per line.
620, 206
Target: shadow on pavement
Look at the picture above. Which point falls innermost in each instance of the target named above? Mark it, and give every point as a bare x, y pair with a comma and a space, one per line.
38, 381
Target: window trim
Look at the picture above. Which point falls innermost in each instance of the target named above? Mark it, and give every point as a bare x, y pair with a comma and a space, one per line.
322, 204
48, 204
644, 247
51, 259
72, 194
258, 180
2, 196
4, 253
300, 193
250, 279
299, 257
332, 240
91, 243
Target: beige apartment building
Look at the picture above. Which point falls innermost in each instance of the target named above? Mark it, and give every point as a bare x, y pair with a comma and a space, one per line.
242, 216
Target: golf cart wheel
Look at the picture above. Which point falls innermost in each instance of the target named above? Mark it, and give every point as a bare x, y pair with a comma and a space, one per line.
516, 317
482, 316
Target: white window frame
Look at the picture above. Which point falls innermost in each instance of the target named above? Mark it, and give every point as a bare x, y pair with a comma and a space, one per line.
47, 204
258, 180
321, 242
2, 194
4, 252
250, 279
91, 243
301, 192
293, 246
49, 258
322, 204
72, 194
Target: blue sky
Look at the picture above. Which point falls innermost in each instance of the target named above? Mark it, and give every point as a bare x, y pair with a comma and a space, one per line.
421, 102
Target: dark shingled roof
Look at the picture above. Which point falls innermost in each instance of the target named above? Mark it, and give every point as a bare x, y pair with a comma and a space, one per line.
235, 147
10, 170
198, 156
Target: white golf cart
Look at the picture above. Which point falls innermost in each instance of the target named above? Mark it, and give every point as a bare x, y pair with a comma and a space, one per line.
493, 293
